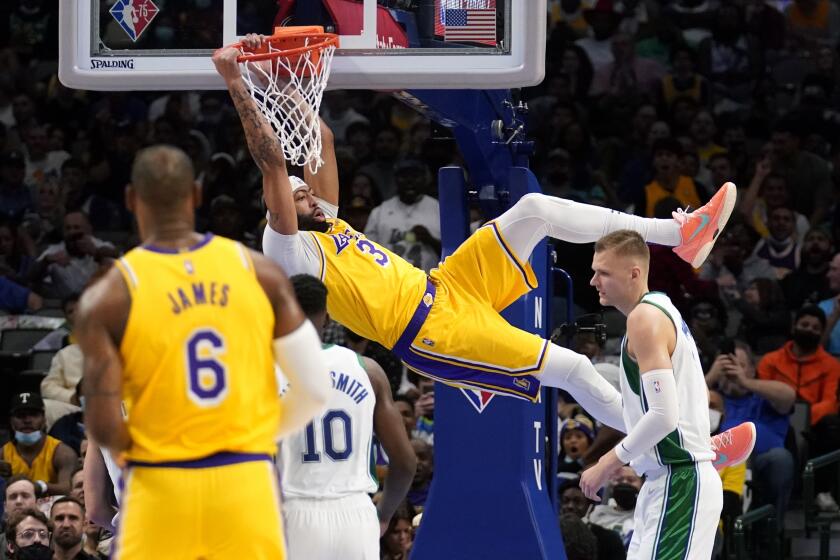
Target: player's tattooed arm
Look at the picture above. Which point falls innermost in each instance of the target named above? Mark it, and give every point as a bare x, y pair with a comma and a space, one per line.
263, 144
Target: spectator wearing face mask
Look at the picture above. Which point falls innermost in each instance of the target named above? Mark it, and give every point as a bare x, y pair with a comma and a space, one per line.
34, 454
813, 373
28, 535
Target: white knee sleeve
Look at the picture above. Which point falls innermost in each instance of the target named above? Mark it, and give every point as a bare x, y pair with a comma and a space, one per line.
574, 373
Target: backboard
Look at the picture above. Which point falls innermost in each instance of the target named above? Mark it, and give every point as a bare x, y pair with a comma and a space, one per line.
385, 44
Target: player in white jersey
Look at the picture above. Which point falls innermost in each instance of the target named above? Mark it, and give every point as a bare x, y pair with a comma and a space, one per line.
666, 414
327, 471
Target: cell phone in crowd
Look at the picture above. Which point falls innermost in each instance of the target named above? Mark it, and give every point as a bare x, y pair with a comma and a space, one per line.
727, 346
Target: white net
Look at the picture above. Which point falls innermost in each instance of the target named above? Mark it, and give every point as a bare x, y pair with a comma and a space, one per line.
288, 90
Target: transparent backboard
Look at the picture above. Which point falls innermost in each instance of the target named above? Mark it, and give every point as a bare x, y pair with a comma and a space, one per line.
385, 44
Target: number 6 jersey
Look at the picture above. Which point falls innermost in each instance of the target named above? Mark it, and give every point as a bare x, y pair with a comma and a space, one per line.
332, 456
198, 364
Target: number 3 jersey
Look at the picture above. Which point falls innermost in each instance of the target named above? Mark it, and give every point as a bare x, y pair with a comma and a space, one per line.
198, 364
332, 457
372, 291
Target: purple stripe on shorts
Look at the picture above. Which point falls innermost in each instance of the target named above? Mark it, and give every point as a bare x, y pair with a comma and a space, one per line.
217, 460
416, 321
526, 386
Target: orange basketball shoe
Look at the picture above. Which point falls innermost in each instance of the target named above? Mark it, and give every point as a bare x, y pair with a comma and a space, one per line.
700, 229
733, 446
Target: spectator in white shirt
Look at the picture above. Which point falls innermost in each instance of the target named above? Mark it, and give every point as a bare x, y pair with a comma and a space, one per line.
409, 223
41, 162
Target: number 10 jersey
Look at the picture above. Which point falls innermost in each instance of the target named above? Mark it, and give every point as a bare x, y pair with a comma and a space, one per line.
333, 456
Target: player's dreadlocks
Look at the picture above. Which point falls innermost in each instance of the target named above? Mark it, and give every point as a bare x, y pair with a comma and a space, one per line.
311, 293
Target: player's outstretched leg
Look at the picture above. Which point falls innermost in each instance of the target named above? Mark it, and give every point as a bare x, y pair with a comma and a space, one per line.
536, 216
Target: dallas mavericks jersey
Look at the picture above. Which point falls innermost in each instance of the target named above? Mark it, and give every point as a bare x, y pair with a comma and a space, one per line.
332, 456
690, 442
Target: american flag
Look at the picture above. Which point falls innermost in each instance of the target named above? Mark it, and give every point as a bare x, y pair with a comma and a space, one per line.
475, 25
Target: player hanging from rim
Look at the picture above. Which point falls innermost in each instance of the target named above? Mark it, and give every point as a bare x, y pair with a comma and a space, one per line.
447, 325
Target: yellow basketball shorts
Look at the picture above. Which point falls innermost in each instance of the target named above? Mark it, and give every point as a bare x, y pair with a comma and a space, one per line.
457, 335
222, 507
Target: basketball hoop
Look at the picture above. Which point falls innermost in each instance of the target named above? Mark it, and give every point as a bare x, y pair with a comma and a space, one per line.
286, 78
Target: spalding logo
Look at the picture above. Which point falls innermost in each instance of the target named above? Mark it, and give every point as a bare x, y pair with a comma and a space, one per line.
123, 64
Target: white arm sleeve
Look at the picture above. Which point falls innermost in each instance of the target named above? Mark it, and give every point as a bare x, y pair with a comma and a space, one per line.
299, 356
296, 254
662, 417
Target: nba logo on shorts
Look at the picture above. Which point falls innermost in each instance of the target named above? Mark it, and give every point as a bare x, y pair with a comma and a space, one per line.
656, 388
134, 16
479, 399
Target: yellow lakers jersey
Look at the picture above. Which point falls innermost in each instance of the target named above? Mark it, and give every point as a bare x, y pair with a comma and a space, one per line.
42, 467
198, 365
372, 291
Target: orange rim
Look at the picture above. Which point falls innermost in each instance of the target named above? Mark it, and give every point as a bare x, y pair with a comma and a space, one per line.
294, 35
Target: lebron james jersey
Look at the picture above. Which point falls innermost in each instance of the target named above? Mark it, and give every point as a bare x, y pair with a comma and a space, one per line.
372, 291
690, 442
332, 456
198, 364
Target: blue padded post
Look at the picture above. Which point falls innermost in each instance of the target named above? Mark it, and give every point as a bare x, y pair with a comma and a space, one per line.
489, 496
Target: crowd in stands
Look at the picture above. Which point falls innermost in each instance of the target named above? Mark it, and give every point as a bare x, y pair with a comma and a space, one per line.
647, 107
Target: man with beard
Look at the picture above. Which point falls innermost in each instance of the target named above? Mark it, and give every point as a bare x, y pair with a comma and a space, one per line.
813, 373
34, 454
68, 519
409, 223
573, 502
814, 280
69, 265
28, 535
